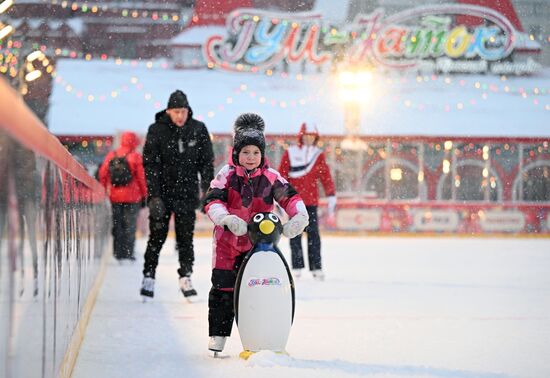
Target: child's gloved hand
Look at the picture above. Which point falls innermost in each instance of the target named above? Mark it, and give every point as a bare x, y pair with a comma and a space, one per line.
296, 225
331, 205
235, 224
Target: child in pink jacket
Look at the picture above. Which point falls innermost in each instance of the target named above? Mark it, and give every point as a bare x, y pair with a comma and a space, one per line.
242, 188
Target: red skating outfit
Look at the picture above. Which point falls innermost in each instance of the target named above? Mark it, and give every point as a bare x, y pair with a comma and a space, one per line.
304, 167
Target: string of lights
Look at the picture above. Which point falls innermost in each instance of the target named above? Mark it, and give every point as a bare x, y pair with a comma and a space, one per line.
487, 90
121, 10
21, 67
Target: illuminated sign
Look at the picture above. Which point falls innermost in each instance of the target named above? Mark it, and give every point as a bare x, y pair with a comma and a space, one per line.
427, 37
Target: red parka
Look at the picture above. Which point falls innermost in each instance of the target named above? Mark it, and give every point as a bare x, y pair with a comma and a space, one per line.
136, 190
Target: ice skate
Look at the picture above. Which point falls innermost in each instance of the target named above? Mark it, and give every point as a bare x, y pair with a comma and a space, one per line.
186, 288
296, 273
216, 344
147, 288
318, 275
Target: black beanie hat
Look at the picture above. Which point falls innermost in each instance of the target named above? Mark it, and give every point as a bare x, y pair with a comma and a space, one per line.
178, 99
249, 130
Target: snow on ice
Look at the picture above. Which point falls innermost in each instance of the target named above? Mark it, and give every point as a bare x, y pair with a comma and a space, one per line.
389, 307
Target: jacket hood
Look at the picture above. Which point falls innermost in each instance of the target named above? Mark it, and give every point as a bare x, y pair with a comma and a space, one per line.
163, 117
307, 129
129, 140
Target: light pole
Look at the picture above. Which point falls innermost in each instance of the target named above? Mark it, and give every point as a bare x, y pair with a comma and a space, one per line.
354, 90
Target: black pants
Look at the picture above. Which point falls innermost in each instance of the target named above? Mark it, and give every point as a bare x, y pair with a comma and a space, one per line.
220, 302
124, 229
313, 244
158, 231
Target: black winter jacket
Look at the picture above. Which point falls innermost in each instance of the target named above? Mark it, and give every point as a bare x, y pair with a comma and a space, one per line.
174, 157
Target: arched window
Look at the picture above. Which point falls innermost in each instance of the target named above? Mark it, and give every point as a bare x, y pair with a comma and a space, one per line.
533, 183
472, 182
403, 180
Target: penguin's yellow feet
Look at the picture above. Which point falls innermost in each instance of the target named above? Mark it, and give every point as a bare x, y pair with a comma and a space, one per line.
245, 354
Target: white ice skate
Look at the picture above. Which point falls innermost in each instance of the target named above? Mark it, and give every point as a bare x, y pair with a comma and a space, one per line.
216, 344
186, 288
318, 275
147, 288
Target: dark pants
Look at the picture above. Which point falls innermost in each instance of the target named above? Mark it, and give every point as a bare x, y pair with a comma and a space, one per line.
220, 300
124, 229
158, 231
313, 244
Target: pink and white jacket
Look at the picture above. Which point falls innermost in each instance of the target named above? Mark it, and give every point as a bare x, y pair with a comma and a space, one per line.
241, 193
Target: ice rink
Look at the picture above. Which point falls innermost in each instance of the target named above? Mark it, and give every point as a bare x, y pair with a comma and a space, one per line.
389, 307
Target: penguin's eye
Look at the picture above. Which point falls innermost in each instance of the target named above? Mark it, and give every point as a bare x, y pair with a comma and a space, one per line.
258, 217
273, 217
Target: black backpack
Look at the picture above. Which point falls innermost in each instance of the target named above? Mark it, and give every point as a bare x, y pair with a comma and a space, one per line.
119, 170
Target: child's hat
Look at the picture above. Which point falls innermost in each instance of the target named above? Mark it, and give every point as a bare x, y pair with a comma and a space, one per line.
248, 130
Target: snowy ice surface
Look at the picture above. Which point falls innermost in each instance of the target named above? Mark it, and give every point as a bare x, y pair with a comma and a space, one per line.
463, 105
389, 307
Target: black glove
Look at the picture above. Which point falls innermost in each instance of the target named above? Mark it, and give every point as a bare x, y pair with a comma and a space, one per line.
202, 204
156, 207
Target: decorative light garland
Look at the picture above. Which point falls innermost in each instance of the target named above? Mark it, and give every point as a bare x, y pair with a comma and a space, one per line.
73, 54
95, 7
303, 101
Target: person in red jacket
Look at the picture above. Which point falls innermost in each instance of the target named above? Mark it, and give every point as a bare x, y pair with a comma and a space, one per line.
126, 198
304, 166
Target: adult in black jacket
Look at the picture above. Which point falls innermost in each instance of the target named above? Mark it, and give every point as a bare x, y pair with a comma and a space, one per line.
177, 151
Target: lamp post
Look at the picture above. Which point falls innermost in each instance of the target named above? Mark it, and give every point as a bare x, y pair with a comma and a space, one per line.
354, 90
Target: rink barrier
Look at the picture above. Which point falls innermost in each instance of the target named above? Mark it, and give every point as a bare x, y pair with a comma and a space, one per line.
54, 239
71, 355
23, 125
431, 218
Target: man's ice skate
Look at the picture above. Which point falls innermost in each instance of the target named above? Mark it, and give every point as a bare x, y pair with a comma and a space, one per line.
186, 287
147, 288
296, 273
318, 275
216, 344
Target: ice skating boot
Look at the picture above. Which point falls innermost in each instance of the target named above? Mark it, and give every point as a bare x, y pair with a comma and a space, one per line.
296, 273
318, 275
186, 287
147, 288
216, 344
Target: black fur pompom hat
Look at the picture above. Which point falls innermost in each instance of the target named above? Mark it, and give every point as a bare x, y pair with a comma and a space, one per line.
248, 130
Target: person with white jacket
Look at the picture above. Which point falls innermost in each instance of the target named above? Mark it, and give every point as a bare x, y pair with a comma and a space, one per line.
304, 166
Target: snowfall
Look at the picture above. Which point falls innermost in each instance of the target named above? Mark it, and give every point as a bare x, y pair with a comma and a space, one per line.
389, 307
